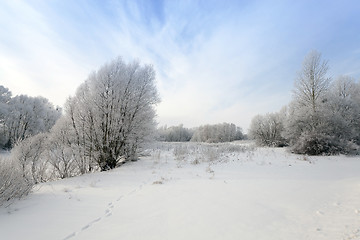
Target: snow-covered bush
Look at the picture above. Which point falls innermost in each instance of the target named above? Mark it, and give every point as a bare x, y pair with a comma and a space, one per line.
63, 153
29, 154
319, 144
181, 151
267, 130
313, 133
211, 153
62, 159
12, 182
196, 153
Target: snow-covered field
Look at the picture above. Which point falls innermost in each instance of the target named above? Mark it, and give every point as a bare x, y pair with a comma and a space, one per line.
198, 191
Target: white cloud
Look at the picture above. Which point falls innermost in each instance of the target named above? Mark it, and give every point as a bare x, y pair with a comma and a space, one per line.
200, 76
213, 65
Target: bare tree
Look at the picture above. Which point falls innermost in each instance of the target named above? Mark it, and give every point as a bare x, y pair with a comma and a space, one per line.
310, 92
312, 83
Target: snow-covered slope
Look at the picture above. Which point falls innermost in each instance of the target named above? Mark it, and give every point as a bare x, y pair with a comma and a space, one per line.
198, 193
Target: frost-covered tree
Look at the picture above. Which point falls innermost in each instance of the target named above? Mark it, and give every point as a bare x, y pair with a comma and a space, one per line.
5, 97
323, 114
343, 106
23, 116
308, 132
267, 130
224, 132
306, 126
174, 134
312, 83
112, 113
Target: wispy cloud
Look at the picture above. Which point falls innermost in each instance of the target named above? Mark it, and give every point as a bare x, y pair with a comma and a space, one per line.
216, 61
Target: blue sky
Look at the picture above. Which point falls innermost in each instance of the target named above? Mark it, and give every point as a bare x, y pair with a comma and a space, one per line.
216, 61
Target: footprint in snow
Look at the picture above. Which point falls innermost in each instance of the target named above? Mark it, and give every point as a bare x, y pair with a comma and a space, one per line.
96, 220
108, 213
320, 212
70, 236
85, 227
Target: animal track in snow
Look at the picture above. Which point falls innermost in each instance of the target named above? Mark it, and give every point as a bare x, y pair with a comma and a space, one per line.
70, 236
85, 227
320, 212
107, 213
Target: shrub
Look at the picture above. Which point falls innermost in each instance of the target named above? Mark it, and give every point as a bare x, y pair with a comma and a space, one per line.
321, 144
267, 130
13, 184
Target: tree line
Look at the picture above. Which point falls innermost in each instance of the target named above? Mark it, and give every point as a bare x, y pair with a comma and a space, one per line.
322, 118
223, 132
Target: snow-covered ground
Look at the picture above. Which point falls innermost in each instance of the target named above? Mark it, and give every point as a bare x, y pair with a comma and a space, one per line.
198, 191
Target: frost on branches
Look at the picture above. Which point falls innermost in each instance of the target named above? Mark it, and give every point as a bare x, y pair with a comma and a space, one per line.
111, 116
323, 117
23, 116
266, 130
